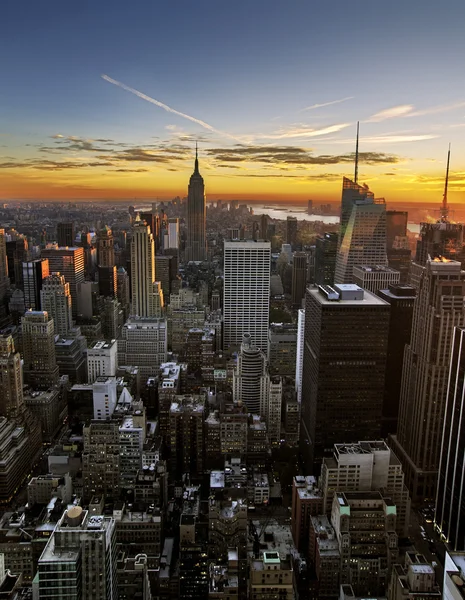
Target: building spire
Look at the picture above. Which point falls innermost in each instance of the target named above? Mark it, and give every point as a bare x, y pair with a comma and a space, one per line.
356, 155
196, 168
445, 207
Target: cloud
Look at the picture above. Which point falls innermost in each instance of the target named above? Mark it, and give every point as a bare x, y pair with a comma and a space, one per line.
389, 139
166, 107
129, 170
391, 113
303, 131
408, 110
313, 106
52, 165
292, 155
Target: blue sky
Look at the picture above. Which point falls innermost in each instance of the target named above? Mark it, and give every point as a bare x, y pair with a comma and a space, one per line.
248, 69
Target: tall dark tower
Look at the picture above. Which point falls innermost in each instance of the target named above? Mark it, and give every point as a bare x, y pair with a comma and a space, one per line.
196, 248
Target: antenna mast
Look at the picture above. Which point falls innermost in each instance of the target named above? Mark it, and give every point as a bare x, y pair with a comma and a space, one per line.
445, 208
356, 155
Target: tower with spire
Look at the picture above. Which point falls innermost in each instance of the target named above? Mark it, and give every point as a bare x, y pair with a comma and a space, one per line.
196, 247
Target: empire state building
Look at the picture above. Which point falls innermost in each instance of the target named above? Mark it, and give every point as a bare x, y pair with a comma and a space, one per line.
196, 248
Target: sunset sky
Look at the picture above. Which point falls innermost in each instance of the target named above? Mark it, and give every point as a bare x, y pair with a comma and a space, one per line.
106, 99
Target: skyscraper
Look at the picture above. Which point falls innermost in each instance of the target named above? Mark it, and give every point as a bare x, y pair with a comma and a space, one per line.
402, 299
351, 193
70, 263
196, 247
299, 277
147, 298
249, 377
4, 282
40, 367
291, 231
11, 379
375, 277
364, 238
65, 234
325, 258
345, 347
34, 273
105, 250
246, 299
450, 500
438, 308
56, 300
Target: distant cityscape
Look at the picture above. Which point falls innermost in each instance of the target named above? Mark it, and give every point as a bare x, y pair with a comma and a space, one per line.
203, 401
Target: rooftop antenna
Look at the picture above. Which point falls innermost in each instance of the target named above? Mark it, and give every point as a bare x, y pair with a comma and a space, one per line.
356, 155
445, 208
196, 169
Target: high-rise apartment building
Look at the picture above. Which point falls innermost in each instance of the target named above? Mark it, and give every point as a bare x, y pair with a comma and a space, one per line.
40, 367
450, 501
65, 234
147, 298
345, 348
375, 277
363, 239
299, 277
79, 559
325, 258
249, 380
101, 459
34, 273
246, 299
402, 299
55, 298
70, 263
196, 246
438, 308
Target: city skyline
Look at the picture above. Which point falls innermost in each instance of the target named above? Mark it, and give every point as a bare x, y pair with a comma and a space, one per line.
109, 104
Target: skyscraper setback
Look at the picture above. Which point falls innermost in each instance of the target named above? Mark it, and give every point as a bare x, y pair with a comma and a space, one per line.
147, 298
196, 248
438, 308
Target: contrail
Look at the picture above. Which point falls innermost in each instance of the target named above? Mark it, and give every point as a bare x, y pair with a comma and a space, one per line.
167, 108
313, 106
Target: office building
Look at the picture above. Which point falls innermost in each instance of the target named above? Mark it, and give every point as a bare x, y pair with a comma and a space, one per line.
440, 239
196, 245
34, 273
271, 572
4, 281
345, 349
146, 296
454, 575
187, 414
299, 365
402, 299
282, 349
40, 368
352, 192
250, 377
49, 408
173, 235
414, 579
307, 502
69, 262
123, 286
55, 298
17, 252
107, 281
143, 343
362, 238
11, 379
71, 356
246, 297
299, 277
105, 249
375, 277
102, 360
291, 231
325, 258
366, 560
79, 559
439, 307
450, 503
65, 234
366, 466
396, 226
